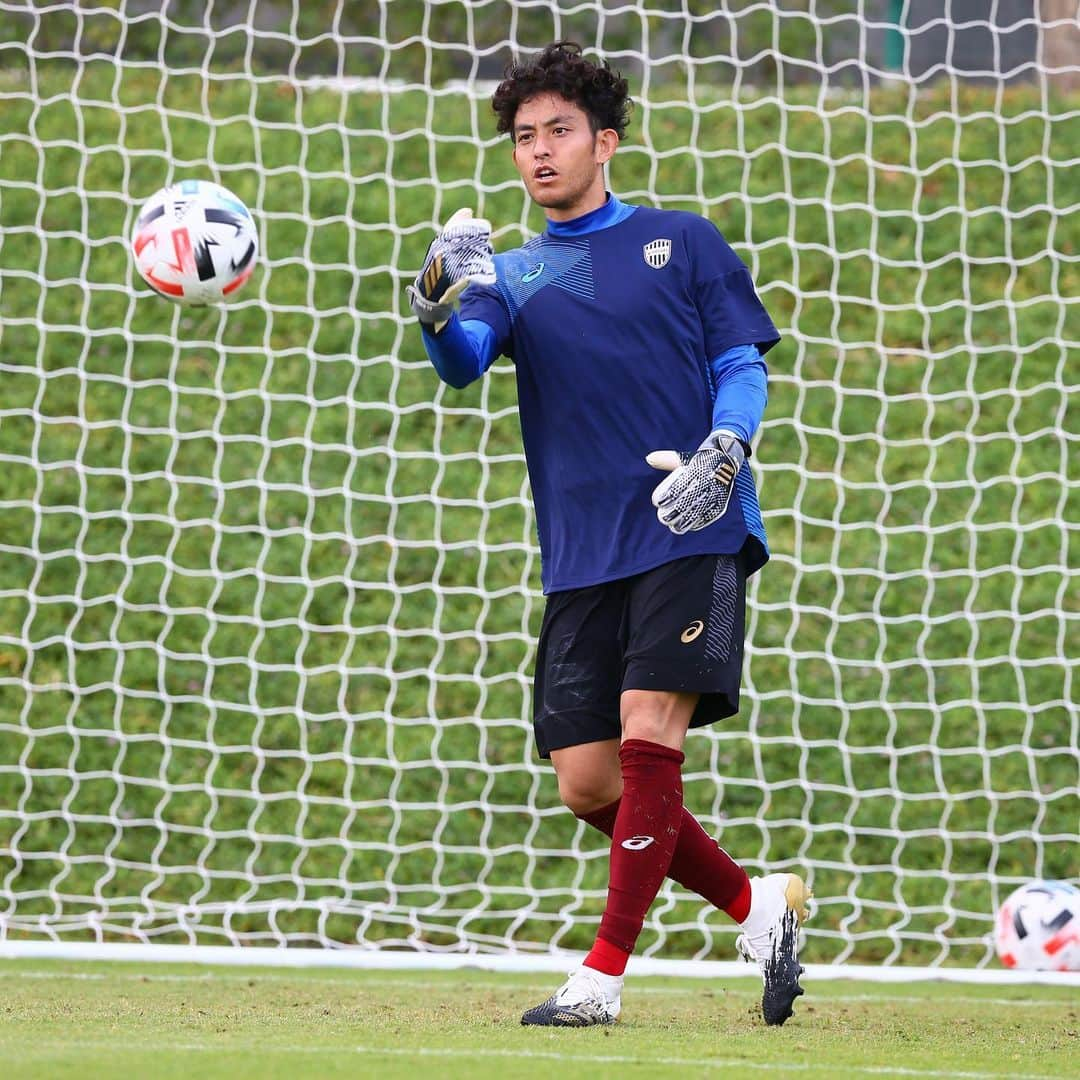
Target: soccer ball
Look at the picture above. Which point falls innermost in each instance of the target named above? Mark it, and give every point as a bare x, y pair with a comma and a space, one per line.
195, 242
1038, 927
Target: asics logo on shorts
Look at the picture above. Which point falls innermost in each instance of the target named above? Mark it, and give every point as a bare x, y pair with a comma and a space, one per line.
692, 632
637, 843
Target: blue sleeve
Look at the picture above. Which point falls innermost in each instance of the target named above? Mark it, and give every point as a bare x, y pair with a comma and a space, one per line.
485, 303
738, 378
462, 351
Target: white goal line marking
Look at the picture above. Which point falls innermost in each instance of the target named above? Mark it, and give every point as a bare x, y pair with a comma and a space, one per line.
579, 1059
321, 980
715, 1063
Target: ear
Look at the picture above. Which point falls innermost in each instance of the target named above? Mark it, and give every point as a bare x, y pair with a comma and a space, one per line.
607, 142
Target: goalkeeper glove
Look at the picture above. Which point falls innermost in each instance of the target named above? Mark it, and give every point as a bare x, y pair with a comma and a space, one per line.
461, 253
698, 491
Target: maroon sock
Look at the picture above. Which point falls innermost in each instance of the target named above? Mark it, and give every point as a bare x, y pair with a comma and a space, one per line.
645, 832
699, 863
706, 868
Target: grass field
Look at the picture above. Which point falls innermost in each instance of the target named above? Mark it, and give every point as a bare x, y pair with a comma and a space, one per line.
88, 1020
268, 593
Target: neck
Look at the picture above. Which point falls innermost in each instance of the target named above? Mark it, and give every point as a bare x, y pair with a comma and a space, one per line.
593, 199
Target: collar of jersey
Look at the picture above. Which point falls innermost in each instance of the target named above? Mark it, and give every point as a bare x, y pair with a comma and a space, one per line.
603, 217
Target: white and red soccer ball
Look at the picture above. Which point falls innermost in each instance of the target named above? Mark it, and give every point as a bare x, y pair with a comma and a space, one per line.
1038, 927
195, 242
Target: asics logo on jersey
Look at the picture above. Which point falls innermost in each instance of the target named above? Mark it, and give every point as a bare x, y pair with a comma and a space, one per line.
657, 253
638, 843
692, 632
533, 274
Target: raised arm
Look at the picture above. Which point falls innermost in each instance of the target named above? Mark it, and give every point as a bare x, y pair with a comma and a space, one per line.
461, 253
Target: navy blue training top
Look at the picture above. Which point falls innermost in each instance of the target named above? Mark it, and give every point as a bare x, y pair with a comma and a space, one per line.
624, 326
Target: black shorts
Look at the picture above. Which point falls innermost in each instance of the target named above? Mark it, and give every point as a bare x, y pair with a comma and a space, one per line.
678, 627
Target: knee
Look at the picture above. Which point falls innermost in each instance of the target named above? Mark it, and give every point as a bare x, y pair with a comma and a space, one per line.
586, 798
640, 721
645, 725
657, 717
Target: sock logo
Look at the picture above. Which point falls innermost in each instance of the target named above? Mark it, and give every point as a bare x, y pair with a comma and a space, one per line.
692, 632
637, 843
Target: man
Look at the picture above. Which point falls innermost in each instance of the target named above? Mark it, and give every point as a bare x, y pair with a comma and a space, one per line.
631, 329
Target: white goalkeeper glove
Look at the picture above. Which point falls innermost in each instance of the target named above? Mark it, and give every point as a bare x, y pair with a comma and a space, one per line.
461, 253
698, 491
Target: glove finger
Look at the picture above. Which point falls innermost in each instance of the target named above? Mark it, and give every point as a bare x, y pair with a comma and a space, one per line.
665, 460
676, 524
677, 499
469, 227
663, 492
675, 516
458, 217
713, 511
665, 520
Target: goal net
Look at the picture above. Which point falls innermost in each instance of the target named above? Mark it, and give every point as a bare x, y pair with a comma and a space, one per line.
269, 592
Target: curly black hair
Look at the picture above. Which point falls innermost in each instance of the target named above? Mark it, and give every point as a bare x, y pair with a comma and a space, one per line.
561, 69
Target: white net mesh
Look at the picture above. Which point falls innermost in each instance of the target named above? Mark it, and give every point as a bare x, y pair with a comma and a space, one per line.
269, 593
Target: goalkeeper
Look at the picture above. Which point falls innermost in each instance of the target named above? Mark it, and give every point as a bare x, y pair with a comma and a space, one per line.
632, 330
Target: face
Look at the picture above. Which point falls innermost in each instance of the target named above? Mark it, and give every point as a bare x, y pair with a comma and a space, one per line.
559, 157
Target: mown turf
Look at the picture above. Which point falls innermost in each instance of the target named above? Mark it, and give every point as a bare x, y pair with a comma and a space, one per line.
62, 1020
268, 593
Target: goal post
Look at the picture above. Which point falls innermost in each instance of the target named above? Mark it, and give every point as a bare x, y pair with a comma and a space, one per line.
269, 593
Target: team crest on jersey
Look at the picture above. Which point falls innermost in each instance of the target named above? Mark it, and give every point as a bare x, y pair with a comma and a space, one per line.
657, 253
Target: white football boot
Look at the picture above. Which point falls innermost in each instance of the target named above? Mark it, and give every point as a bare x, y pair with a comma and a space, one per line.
587, 998
770, 938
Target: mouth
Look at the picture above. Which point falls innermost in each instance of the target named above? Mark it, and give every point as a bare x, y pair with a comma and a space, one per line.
544, 173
